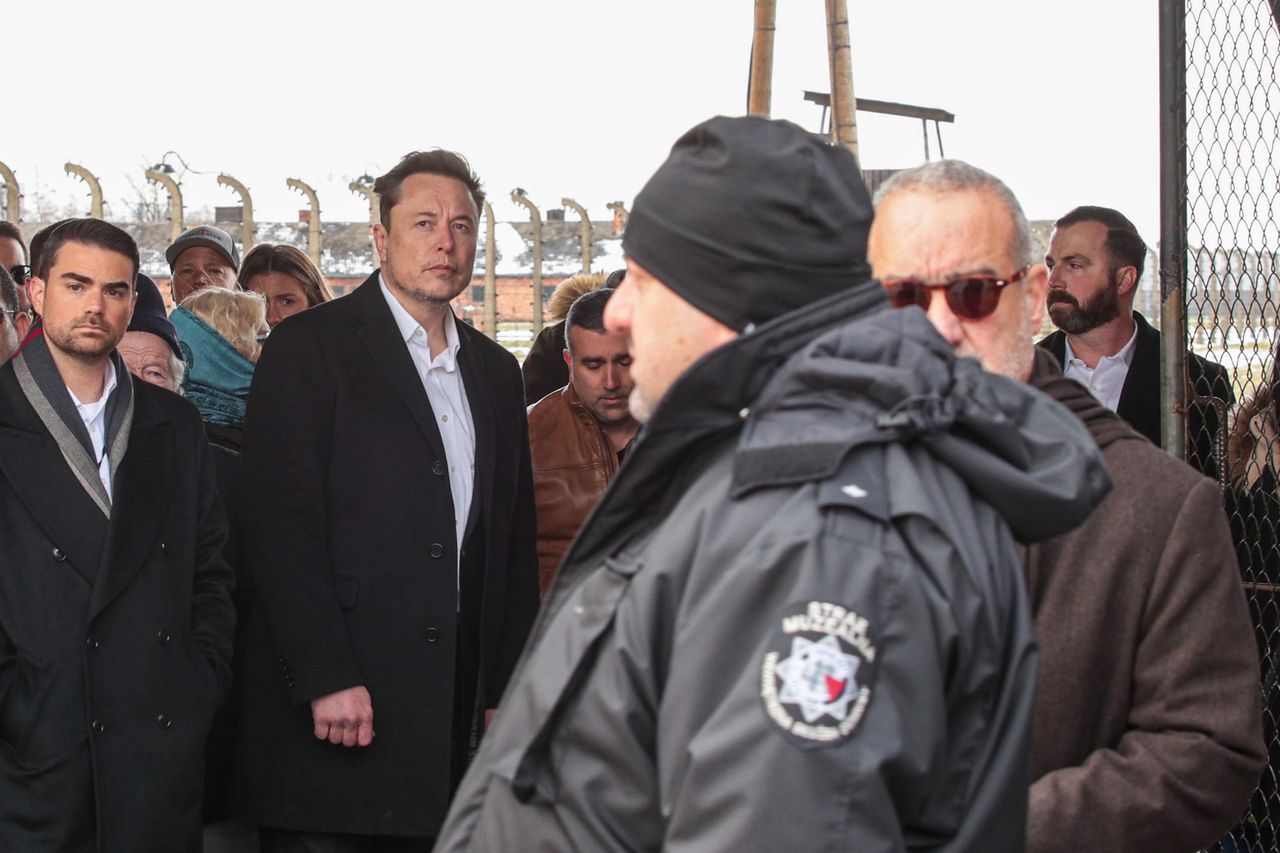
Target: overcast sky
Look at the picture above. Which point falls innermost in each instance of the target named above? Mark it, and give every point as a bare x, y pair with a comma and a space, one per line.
563, 97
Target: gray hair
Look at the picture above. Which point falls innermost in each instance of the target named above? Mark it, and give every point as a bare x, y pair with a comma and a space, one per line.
945, 176
179, 368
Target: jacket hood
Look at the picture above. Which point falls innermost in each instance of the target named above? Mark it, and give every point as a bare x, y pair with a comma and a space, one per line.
889, 377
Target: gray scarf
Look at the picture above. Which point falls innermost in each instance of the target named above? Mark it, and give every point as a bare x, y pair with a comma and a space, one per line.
42, 384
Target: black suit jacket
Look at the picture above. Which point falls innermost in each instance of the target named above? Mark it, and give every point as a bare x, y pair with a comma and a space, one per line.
347, 521
1140, 397
115, 637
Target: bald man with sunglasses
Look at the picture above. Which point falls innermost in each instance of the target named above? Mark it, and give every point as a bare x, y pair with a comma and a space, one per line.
1147, 731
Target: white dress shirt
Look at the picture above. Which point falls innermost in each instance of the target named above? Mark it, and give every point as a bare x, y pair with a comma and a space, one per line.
443, 382
1106, 381
94, 416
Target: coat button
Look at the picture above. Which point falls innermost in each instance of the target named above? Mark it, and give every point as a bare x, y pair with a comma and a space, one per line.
163, 721
437, 550
433, 634
98, 727
58, 554
164, 549
163, 637
91, 641
437, 468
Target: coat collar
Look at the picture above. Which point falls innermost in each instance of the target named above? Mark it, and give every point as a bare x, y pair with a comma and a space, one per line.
38, 474
141, 495
1140, 397
36, 470
378, 330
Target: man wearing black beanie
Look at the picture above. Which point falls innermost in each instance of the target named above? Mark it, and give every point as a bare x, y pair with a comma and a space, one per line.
796, 619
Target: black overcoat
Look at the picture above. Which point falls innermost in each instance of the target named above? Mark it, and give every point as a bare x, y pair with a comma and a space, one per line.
1139, 402
115, 637
349, 530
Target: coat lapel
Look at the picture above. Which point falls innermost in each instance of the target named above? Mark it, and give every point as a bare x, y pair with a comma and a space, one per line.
140, 494
35, 469
1140, 397
380, 334
476, 382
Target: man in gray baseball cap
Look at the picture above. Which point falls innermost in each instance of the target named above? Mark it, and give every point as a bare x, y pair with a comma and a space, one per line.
203, 256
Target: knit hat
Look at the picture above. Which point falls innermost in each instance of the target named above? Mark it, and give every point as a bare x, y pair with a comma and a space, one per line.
750, 218
204, 235
149, 316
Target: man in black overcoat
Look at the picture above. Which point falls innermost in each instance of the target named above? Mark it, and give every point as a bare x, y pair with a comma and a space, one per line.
115, 606
389, 523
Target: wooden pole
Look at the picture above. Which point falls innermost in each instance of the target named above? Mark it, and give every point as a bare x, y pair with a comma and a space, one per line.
844, 125
760, 91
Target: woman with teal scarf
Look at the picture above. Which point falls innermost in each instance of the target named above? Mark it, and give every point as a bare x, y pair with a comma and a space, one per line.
220, 331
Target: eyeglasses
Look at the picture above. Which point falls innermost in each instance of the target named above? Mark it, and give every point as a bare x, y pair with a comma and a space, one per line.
21, 273
971, 296
13, 313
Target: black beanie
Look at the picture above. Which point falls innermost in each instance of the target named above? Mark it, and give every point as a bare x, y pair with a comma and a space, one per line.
750, 218
149, 316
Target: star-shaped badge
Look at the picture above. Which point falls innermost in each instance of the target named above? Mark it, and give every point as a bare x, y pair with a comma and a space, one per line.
818, 677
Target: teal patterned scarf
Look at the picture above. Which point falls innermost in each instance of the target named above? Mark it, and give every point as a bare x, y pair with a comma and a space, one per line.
218, 376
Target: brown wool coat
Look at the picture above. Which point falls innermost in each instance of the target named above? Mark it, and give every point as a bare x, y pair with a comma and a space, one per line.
1148, 732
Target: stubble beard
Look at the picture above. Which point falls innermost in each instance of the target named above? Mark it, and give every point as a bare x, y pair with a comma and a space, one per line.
65, 342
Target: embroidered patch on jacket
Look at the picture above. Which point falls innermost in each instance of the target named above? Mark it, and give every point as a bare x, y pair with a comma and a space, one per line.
817, 675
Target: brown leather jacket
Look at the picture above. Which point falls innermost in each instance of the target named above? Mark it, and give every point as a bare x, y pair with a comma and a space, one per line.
572, 463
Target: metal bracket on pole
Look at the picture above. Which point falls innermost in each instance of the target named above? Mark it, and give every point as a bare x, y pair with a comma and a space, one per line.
246, 205
620, 211
13, 198
95, 188
314, 249
536, 219
175, 201
586, 231
360, 188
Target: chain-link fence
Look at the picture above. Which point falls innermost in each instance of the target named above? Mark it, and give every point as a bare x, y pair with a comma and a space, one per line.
1232, 296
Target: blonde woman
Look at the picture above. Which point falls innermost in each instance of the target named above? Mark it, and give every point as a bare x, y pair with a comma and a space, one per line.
287, 279
221, 334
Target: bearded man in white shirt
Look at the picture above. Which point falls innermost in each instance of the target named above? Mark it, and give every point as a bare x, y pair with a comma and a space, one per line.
1095, 262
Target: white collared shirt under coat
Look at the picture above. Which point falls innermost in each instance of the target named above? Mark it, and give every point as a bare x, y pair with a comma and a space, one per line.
448, 396
1106, 380
94, 416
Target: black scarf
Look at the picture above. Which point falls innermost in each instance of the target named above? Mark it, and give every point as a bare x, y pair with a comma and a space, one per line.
44, 388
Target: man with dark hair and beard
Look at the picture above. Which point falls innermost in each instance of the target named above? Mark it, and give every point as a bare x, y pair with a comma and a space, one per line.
1095, 260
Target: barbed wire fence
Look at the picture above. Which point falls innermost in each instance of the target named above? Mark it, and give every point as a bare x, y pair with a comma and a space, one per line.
1227, 148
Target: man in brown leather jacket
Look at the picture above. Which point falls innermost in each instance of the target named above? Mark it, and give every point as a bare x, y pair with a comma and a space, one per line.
579, 433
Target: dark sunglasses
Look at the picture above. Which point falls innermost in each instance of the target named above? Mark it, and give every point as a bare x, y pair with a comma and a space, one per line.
21, 273
971, 297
